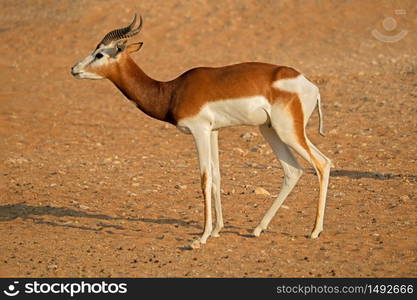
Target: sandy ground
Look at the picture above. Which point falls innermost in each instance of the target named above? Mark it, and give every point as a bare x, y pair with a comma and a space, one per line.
90, 186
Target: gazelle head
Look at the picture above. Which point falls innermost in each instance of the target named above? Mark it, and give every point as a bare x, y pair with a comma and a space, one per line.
108, 52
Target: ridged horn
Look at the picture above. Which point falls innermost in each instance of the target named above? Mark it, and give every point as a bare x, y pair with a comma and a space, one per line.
122, 33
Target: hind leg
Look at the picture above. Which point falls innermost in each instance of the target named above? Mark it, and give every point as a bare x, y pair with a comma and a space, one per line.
323, 172
292, 172
290, 128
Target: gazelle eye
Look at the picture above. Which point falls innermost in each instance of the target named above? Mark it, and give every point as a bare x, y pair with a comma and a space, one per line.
99, 55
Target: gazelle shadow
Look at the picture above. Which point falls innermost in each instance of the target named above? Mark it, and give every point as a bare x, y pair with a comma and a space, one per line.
354, 174
29, 212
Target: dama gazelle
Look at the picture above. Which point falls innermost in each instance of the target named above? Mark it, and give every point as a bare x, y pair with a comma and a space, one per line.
278, 99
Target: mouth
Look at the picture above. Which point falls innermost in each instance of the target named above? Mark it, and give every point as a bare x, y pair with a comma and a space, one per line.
75, 74
75, 71
81, 74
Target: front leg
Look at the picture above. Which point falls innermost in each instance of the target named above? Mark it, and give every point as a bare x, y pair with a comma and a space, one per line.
216, 183
202, 141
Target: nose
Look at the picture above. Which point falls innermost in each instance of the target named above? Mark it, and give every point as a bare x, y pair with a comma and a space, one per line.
73, 72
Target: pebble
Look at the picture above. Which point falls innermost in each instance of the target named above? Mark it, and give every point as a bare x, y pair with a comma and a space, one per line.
180, 187
261, 191
17, 160
248, 135
52, 267
147, 192
240, 151
232, 191
131, 194
405, 198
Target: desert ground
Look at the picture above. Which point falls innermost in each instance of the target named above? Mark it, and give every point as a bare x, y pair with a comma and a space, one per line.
92, 187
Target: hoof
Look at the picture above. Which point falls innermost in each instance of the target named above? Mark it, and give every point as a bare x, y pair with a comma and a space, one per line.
215, 232
257, 232
315, 234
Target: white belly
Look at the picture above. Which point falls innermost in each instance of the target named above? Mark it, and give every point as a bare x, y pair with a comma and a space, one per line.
231, 112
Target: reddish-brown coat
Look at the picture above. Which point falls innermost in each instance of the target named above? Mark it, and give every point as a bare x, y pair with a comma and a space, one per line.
201, 85
184, 96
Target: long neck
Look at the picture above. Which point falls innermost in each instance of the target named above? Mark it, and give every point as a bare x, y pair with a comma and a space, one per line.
151, 96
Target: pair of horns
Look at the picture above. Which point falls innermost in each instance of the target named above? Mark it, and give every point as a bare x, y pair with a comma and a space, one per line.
123, 33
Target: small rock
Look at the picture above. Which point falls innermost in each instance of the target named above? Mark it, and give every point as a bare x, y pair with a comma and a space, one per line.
265, 152
131, 194
261, 191
147, 191
52, 266
232, 191
82, 206
248, 135
17, 160
180, 187
240, 151
405, 198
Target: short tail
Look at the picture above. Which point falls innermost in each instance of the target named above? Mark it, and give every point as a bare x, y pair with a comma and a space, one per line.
321, 130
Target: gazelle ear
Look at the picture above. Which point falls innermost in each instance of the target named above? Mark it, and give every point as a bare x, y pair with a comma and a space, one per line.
134, 47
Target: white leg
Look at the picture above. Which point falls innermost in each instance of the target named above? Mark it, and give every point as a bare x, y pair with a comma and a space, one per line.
324, 176
318, 160
292, 172
202, 141
216, 183
322, 166
300, 144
